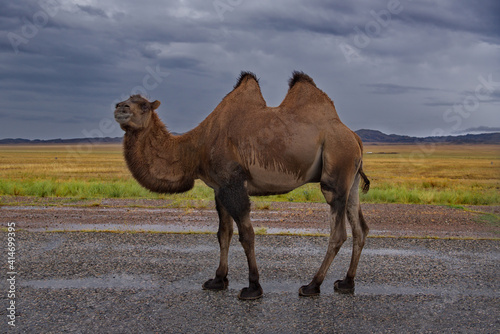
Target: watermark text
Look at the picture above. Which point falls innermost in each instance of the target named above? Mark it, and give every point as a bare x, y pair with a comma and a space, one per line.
11, 274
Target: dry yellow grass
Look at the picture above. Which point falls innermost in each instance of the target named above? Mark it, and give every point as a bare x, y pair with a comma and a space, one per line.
433, 170
63, 162
439, 174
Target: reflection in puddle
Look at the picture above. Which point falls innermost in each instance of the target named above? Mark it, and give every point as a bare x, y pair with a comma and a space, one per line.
380, 290
393, 252
164, 228
119, 281
146, 282
124, 228
169, 248
385, 290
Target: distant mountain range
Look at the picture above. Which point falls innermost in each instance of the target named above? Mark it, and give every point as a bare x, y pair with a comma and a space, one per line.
368, 136
102, 140
374, 136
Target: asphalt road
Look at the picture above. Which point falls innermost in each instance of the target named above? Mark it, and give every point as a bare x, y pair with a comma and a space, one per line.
101, 282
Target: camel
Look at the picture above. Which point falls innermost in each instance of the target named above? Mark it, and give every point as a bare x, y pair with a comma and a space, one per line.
245, 148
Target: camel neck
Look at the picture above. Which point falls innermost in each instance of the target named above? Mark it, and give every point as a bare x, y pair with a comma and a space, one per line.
160, 161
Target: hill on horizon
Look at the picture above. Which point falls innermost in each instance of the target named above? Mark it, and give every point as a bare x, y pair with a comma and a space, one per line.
368, 136
375, 136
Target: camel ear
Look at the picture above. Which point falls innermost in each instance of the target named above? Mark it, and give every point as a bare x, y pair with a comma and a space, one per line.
155, 105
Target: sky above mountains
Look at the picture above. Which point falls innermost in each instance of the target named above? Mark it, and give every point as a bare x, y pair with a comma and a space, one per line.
417, 68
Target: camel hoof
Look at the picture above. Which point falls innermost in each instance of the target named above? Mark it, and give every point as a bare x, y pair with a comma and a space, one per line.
251, 294
344, 286
216, 284
309, 291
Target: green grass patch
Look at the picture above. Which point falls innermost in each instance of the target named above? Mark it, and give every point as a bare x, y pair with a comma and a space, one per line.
452, 175
452, 197
201, 194
489, 218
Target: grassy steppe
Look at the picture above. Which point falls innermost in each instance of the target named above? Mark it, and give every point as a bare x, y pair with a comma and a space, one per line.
432, 174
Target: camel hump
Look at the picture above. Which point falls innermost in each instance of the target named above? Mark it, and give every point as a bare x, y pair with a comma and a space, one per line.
303, 91
299, 76
244, 75
245, 92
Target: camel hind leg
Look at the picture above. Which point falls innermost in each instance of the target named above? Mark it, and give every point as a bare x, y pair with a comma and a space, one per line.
336, 194
359, 232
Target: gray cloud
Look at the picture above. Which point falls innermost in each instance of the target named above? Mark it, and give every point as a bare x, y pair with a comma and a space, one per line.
93, 11
386, 88
80, 58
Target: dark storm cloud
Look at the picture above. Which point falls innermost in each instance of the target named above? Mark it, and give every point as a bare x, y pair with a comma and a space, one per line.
491, 98
314, 16
65, 63
439, 103
385, 88
481, 18
93, 11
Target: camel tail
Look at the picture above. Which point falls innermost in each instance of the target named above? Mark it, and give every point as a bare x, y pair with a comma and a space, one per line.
366, 182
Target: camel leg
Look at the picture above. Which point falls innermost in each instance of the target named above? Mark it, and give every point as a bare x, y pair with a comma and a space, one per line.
338, 235
224, 235
359, 232
237, 203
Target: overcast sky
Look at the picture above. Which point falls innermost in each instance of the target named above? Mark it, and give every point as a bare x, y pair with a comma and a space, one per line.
406, 67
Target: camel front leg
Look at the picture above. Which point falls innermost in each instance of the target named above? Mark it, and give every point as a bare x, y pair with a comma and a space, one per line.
224, 235
235, 200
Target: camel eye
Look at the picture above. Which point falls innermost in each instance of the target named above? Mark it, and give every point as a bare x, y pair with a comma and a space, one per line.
144, 108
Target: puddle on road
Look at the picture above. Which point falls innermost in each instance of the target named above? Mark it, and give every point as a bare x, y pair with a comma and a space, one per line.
387, 290
145, 282
118, 281
203, 221
94, 209
430, 254
297, 231
165, 228
393, 252
193, 283
124, 228
169, 248
364, 289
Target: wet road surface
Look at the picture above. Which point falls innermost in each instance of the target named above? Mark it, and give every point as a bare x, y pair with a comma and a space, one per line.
102, 282
148, 215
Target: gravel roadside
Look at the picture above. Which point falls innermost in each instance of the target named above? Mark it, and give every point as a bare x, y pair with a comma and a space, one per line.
94, 282
439, 274
399, 220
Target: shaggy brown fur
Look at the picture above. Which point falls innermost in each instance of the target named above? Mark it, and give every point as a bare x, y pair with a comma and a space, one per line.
243, 76
246, 148
299, 77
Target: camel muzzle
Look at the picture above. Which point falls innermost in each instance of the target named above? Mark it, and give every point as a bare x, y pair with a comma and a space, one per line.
122, 116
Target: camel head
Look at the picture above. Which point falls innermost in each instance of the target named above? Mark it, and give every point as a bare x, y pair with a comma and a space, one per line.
135, 113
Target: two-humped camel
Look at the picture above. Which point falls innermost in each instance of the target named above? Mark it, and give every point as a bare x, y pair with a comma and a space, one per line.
246, 148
